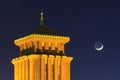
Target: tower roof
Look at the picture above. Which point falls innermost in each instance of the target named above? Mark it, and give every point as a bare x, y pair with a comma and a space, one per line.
44, 30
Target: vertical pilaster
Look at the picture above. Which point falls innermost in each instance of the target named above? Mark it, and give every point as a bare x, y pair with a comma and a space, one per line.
57, 68
49, 64
31, 67
21, 47
38, 68
69, 59
14, 62
30, 44
67, 69
22, 68
26, 68
24, 62
35, 68
15, 66
52, 46
16, 72
24, 45
62, 47
59, 46
63, 68
46, 45
43, 67
40, 45
50, 67
19, 70
49, 44
35, 45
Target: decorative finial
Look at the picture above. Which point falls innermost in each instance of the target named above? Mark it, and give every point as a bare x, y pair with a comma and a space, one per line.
41, 19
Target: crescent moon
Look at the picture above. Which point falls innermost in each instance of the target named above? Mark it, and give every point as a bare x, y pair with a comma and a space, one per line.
100, 48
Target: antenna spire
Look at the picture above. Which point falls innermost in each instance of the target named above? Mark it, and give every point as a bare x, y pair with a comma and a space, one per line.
41, 18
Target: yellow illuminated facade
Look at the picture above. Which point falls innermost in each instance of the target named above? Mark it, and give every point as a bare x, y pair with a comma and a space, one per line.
42, 56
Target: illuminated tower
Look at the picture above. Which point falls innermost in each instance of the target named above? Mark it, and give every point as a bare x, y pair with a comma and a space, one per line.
42, 56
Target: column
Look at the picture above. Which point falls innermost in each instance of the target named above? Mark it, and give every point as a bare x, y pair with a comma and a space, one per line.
69, 59
21, 47
31, 67
24, 46
50, 67
38, 68
14, 62
46, 45
22, 68
59, 47
52, 46
35, 45
30, 44
57, 68
43, 67
15, 66
67, 69
40, 46
63, 68
62, 47
26, 68
49, 63
17, 70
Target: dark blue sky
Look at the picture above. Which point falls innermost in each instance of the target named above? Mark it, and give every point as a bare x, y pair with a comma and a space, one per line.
85, 21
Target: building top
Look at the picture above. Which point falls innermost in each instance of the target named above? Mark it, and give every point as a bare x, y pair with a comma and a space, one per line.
44, 30
42, 40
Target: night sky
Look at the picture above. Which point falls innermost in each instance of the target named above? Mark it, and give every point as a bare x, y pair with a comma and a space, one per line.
85, 21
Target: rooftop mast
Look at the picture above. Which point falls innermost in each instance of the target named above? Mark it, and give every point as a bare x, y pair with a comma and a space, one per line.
41, 19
